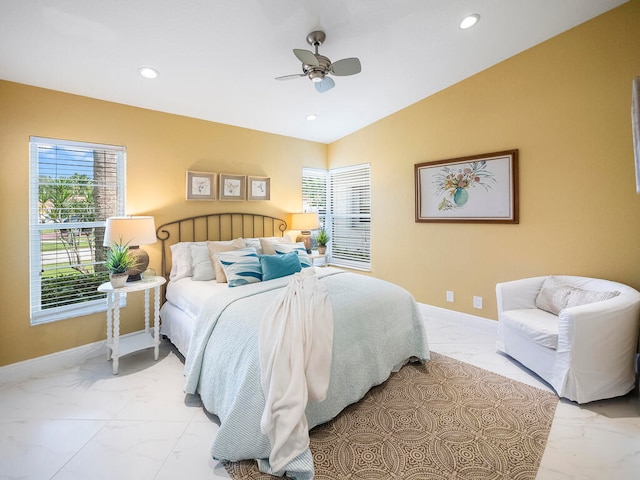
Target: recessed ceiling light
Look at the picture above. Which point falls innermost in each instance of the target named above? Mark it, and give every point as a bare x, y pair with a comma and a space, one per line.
312, 116
469, 21
148, 72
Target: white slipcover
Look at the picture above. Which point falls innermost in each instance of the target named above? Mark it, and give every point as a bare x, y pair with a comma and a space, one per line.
587, 352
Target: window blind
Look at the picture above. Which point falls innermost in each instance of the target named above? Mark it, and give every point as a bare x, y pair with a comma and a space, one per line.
74, 188
314, 192
350, 216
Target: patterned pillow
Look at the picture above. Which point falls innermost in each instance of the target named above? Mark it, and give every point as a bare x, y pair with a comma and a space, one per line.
241, 266
299, 248
582, 297
276, 266
555, 296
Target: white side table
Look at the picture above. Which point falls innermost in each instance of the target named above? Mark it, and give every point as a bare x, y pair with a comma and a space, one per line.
116, 348
314, 255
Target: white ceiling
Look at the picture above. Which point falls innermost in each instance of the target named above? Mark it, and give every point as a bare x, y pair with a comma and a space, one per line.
218, 59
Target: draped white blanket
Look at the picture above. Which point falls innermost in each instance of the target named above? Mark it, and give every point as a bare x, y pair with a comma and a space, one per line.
296, 337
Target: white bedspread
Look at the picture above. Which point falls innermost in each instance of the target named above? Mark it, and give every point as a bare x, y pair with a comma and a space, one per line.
296, 335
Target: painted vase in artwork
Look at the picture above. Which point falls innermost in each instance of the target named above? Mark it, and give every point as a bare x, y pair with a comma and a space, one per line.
461, 196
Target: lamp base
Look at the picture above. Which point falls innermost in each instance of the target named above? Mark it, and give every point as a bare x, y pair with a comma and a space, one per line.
305, 237
141, 262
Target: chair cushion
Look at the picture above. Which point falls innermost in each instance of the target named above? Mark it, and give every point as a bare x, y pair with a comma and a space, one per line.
537, 325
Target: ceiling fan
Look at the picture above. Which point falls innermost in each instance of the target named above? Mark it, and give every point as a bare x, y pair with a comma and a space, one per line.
317, 67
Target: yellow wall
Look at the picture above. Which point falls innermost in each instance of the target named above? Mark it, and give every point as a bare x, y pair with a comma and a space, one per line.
565, 104
160, 148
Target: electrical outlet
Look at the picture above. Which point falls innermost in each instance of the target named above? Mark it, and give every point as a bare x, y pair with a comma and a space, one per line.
449, 296
477, 302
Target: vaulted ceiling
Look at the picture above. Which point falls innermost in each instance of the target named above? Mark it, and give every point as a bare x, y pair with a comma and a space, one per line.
217, 60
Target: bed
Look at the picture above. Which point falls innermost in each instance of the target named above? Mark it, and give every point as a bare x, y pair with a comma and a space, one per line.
377, 328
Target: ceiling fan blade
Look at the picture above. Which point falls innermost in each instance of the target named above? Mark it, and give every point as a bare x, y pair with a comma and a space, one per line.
306, 57
327, 83
346, 66
290, 77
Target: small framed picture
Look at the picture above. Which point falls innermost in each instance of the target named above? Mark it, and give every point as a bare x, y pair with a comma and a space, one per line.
259, 188
233, 187
201, 186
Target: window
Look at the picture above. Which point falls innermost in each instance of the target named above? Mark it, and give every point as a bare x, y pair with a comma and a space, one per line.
314, 192
347, 211
74, 188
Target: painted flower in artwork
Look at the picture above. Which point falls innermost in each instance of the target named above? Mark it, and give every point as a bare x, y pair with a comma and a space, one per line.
455, 183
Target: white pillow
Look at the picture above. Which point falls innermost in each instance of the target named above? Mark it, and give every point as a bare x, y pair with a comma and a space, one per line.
181, 260
267, 244
299, 248
201, 263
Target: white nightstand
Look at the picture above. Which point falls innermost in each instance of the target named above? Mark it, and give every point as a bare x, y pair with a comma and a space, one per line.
116, 348
314, 255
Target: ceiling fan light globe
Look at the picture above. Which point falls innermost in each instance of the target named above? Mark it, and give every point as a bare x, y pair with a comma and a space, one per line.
326, 84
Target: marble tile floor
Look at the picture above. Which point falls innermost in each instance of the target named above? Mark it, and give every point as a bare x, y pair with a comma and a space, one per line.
85, 423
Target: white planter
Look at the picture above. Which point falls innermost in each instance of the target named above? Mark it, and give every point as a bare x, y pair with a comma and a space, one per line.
118, 280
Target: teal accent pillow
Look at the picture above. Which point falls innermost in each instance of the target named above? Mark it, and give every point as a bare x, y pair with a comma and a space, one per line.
282, 248
241, 266
276, 266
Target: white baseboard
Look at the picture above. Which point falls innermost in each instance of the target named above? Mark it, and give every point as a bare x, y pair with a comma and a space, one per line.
19, 371
458, 317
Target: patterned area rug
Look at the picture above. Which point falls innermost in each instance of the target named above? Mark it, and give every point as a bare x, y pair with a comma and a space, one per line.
442, 420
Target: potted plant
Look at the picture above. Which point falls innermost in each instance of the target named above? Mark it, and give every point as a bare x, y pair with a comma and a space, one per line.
118, 263
322, 239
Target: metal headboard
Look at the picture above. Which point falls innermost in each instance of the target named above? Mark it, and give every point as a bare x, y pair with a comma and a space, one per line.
215, 226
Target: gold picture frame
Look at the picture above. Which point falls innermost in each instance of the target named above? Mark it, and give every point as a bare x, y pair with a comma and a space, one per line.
232, 187
258, 188
201, 186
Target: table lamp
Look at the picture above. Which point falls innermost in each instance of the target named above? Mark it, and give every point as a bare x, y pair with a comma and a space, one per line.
305, 222
132, 231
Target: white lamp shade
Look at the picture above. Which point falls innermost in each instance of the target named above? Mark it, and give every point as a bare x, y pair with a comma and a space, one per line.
305, 221
132, 231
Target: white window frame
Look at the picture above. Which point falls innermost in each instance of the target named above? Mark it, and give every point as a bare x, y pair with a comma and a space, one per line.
38, 315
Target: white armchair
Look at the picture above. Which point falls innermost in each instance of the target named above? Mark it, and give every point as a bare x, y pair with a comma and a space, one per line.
587, 351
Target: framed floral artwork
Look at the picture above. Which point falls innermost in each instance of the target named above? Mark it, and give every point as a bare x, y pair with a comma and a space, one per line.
258, 188
233, 187
201, 186
478, 188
